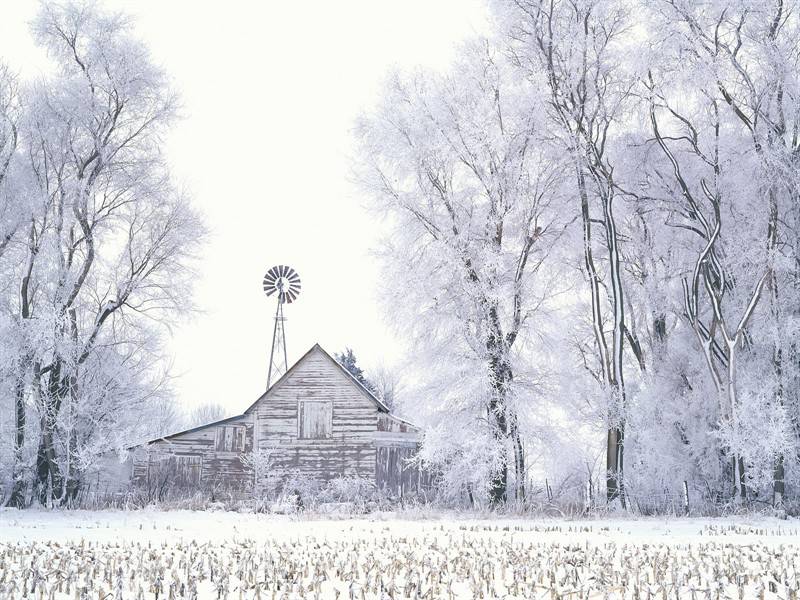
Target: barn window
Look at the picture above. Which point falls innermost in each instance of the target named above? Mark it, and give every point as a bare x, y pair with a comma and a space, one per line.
315, 419
230, 438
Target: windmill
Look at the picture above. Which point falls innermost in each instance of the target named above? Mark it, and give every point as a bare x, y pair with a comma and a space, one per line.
285, 282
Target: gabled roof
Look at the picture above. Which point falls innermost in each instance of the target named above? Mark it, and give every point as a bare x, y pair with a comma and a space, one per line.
381, 406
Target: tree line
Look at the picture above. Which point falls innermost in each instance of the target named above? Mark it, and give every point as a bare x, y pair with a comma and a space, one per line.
97, 247
594, 234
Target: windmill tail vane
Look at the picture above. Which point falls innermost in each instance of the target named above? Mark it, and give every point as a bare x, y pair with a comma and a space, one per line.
285, 283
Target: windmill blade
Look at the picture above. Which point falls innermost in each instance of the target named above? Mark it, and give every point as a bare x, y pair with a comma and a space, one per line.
283, 280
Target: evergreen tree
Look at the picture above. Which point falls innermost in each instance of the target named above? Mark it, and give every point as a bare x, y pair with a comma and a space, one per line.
348, 360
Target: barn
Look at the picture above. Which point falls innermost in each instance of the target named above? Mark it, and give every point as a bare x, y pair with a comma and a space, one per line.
316, 422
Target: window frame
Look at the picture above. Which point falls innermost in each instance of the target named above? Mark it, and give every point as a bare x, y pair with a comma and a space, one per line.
227, 436
301, 405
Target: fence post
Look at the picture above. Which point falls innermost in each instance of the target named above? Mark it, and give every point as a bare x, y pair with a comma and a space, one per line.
548, 490
686, 496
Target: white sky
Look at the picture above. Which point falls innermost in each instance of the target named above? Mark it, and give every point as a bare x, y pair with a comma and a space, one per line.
270, 91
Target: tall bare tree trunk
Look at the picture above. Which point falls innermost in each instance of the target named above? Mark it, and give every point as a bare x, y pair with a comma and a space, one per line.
49, 483
616, 442
778, 474
499, 413
18, 492
611, 362
17, 499
519, 459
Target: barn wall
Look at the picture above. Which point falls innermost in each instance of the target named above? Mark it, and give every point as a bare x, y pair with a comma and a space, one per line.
350, 449
193, 459
315, 423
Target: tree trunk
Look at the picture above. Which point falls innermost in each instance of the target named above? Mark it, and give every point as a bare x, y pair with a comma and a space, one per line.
499, 486
778, 485
739, 487
73, 482
616, 435
611, 362
614, 462
17, 498
499, 412
778, 474
519, 459
48, 477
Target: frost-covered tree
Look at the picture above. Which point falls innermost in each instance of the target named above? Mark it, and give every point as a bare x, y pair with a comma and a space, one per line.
723, 113
347, 358
103, 256
387, 385
657, 140
205, 413
452, 162
575, 50
13, 213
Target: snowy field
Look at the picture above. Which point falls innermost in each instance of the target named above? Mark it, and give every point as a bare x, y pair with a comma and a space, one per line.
182, 554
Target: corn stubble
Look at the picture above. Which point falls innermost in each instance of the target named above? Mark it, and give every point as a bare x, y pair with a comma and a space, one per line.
446, 562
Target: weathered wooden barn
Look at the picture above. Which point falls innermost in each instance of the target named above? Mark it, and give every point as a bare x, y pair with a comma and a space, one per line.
316, 422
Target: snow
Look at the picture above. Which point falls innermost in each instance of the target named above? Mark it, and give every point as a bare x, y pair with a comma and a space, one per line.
140, 554
152, 525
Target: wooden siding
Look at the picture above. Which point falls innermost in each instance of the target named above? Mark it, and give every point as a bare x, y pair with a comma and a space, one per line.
390, 423
350, 447
210, 467
396, 473
316, 422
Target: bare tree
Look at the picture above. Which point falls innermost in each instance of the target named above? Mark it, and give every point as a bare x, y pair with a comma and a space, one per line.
574, 47
388, 385
728, 141
109, 242
205, 413
453, 162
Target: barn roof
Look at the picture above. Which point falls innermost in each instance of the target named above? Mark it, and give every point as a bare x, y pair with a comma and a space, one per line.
381, 406
191, 429
370, 396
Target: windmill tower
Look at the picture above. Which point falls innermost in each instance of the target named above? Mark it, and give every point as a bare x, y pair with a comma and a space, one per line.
285, 282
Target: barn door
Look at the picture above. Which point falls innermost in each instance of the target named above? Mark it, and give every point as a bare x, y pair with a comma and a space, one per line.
394, 472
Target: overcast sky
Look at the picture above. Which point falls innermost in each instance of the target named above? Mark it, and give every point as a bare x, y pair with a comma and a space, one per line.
270, 91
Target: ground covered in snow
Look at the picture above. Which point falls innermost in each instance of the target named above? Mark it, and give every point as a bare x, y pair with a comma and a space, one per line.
184, 554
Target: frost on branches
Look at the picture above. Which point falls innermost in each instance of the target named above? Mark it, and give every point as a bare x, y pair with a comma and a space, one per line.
594, 221
95, 249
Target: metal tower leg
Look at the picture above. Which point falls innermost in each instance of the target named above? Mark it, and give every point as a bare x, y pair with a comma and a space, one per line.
278, 362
